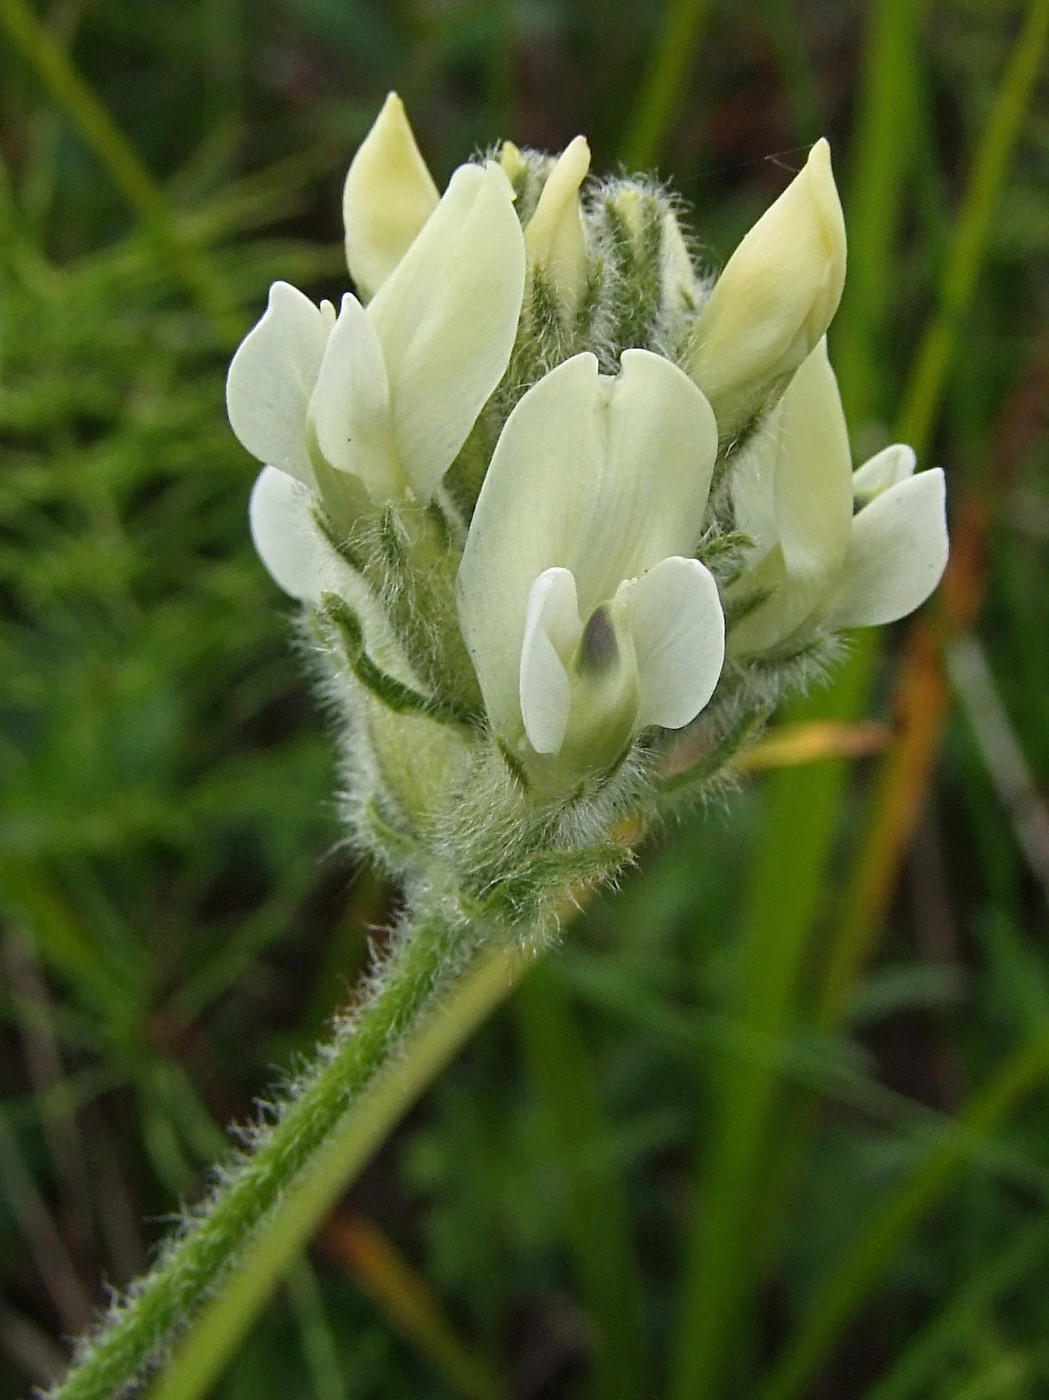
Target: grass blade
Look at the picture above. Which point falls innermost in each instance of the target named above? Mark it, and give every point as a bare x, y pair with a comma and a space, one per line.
663, 86
318, 1344
598, 1218
74, 95
969, 242
720, 1270
907, 770
407, 1300
922, 1362
844, 1291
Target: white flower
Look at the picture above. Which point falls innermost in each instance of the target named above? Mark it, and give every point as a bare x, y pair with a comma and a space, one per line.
388, 196
775, 298
815, 563
384, 397
587, 616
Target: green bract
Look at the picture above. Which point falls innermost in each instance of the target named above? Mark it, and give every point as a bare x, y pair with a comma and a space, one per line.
541, 476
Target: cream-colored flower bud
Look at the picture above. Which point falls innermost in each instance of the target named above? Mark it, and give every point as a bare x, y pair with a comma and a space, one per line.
513, 163
775, 298
388, 196
554, 238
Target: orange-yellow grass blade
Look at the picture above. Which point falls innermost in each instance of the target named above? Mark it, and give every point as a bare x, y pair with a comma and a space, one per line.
812, 742
405, 1298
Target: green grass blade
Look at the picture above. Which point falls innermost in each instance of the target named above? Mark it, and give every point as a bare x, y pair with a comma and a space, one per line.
598, 1219
842, 1293
74, 95
663, 87
691, 1036
952, 1328
880, 165
969, 243
409, 1305
804, 815
869, 889
720, 1270
802, 807
1006, 1378
315, 1334
64, 940
799, 76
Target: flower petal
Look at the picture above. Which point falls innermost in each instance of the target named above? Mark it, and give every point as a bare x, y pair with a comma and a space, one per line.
793, 494
272, 376
526, 518
680, 283
388, 196
285, 536
753, 487
552, 631
897, 554
679, 640
775, 297
813, 475
601, 476
351, 405
784, 604
650, 483
888, 467
447, 317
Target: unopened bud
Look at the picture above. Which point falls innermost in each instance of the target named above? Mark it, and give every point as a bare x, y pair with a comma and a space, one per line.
554, 238
388, 196
775, 298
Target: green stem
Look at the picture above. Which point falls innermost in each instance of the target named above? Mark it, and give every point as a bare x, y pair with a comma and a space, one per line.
431, 995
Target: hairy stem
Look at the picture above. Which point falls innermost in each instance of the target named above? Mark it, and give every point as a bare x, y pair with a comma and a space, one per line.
435, 987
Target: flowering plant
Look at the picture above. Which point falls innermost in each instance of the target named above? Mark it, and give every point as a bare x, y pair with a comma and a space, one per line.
565, 519
562, 510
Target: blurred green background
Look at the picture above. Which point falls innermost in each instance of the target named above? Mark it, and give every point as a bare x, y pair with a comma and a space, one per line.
771, 1121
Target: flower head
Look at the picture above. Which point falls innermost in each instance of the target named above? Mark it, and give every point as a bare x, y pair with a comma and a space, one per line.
522, 477
583, 606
